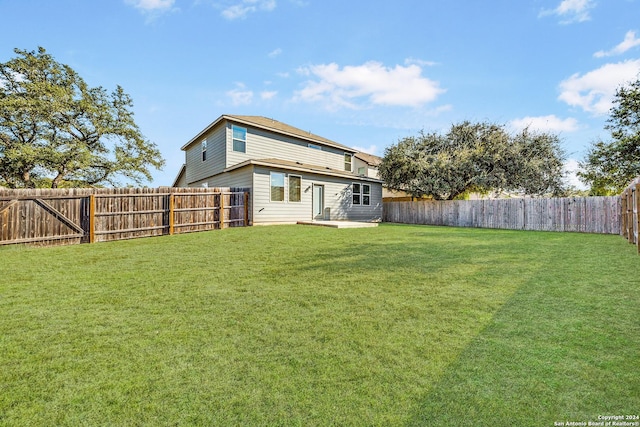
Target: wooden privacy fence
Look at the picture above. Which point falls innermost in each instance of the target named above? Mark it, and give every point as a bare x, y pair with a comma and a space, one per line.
630, 208
579, 214
68, 216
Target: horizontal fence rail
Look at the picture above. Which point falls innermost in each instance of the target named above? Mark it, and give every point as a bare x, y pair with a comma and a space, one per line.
576, 214
69, 216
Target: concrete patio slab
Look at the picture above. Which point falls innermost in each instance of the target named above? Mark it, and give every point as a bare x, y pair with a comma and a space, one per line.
340, 224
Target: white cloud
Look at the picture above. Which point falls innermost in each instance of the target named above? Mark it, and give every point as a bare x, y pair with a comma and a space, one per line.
242, 9
630, 41
274, 53
549, 123
240, 95
379, 85
153, 9
594, 91
268, 94
372, 149
420, 62
571, 11
570, 169
151, 5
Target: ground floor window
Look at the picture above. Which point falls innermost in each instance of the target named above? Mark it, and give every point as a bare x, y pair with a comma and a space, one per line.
278, 184
295, 188
361, 194
277, 187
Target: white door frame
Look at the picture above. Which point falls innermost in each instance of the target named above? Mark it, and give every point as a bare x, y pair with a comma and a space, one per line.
319, 194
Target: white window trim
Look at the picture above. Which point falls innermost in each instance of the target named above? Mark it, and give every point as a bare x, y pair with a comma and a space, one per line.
288, 188
361, 193
354, 192
350, 156
233, 139
362, 203
203, 148
284, 183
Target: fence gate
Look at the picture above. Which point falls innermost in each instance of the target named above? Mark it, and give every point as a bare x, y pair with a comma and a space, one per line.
28, 219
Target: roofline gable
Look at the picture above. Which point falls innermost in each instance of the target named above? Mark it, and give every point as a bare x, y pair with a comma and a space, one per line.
370, 159
301, 167
281, 128
183, 170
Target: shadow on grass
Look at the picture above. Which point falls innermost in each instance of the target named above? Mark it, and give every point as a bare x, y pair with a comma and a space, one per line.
564, 347
456, 289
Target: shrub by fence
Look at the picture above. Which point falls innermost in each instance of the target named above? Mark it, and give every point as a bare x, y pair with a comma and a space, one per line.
578, 214
67, 216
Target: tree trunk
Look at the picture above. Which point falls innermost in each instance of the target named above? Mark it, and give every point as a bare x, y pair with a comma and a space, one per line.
26, 179
56, 181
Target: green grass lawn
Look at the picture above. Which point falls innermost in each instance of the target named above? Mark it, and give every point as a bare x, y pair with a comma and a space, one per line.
294, 325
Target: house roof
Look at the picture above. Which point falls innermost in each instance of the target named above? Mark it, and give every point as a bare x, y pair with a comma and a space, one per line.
183, 170
273, 126
301, 167
369, 159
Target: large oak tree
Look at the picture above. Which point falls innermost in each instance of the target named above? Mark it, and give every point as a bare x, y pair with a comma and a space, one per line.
56, 130
611, 165
480, 157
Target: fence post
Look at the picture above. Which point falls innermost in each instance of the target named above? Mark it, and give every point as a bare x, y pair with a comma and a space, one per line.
92, 218
246, 208
637, 217
623, 214
171, 211
628, 213
221, 215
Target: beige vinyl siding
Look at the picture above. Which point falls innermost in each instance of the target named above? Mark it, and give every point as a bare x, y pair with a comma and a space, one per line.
359, 164
182, 182
198, 170
369, 171
262, 144
373, 173
238, 178
337, 197
266, 211
367, 213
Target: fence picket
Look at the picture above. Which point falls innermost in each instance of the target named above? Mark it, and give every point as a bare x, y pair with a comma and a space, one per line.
577, 214
66, 216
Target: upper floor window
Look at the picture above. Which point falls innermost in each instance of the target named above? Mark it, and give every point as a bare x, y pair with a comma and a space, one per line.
204, 150
239, 139
361, 170
347, 162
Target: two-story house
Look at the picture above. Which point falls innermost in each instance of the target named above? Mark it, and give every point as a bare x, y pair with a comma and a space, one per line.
294, 175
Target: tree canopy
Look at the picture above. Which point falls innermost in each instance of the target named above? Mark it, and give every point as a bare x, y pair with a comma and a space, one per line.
481, 157
55, 130
610, 166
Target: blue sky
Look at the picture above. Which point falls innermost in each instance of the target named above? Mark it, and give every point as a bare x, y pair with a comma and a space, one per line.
362, 73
